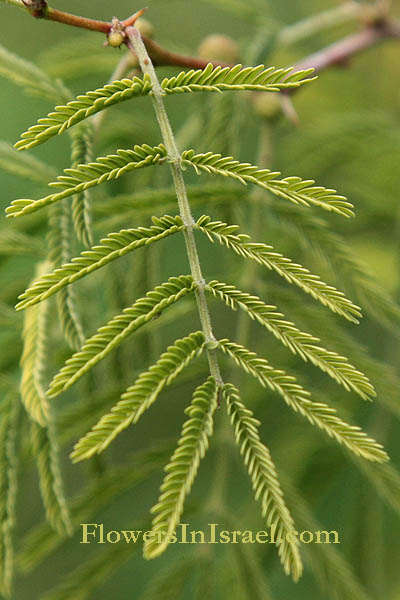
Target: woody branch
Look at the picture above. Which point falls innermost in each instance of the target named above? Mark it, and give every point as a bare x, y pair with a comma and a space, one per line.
337, 54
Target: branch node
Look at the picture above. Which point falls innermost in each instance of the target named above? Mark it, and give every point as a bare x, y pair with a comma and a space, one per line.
37, 8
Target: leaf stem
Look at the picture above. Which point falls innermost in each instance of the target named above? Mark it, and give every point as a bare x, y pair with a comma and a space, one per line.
136, 45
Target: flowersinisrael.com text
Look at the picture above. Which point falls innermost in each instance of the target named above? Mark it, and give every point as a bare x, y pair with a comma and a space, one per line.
96, 533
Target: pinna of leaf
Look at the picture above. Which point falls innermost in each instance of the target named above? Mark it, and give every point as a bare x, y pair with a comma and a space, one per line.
197, 430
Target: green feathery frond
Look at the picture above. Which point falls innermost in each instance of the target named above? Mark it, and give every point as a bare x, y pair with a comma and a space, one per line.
140, 396
303, 344
59, 242
9, 420
182, 467
210, 79
294, 273
317, 413
33, 360
109, 249
237, 78
294, 189
32, 79
264, 479
118, 329
24, 165
51, 485
84, 106
81, 210
79, 179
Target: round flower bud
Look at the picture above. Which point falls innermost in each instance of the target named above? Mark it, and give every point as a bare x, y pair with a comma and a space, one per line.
115, 38
145, 27
219, 48
267, 105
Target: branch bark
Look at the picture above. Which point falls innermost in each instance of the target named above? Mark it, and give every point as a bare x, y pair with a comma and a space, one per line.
337, 54
341, 52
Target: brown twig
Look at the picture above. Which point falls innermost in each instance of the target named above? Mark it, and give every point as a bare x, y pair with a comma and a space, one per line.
337, 54
341, 52
163, 58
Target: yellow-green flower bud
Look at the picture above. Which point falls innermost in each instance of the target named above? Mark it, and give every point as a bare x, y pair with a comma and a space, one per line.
267, 105
219, 48
115, 38
145, 27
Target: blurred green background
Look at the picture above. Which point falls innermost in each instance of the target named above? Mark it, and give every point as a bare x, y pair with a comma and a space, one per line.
348, 138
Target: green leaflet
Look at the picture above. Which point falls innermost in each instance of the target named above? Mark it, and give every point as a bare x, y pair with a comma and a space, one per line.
59, 242
210, 79
318, 413
112, 334
50, 479
81, 209
182, 467
33, 360
9, 433
140, 396
294, 189
83, 177
264, 479
292, 272
297, 341
109, 249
